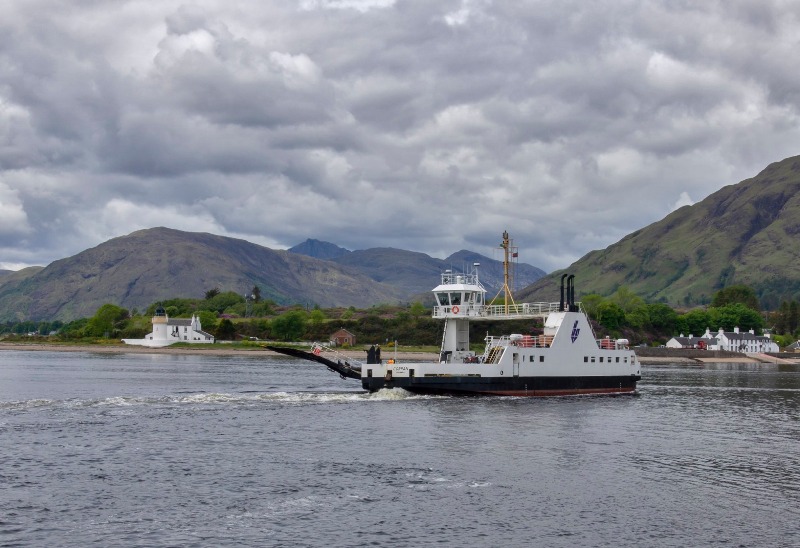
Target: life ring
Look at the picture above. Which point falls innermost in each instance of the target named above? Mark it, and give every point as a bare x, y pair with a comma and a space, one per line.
455, 310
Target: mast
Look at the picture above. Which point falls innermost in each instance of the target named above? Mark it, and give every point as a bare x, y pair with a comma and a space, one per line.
507, 249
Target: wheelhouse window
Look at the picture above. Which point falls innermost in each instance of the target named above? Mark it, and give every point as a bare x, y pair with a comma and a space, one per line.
442, 298
455, 299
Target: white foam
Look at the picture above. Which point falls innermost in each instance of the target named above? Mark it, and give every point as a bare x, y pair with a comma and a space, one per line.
290, 398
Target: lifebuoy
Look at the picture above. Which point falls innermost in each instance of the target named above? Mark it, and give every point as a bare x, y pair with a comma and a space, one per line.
455, 310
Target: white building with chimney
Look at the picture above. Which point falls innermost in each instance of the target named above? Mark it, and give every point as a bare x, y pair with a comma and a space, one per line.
166, 331
735, 341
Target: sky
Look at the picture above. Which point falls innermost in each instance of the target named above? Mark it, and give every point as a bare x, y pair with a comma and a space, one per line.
427, 126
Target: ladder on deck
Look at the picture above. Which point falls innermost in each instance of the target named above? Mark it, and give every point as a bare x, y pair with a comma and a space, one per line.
494, 354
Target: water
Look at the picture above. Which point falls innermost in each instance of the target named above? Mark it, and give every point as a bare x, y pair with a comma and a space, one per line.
168, 450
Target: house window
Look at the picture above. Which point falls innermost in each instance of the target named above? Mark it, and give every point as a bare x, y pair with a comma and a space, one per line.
541, 358
585, 359
592, 359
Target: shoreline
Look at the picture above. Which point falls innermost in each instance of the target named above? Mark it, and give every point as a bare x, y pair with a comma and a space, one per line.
226, 350
210, 350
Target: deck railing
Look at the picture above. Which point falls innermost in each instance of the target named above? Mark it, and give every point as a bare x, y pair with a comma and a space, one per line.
496, 311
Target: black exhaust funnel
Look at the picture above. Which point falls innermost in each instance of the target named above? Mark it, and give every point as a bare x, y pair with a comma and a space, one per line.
571, 292
561, 302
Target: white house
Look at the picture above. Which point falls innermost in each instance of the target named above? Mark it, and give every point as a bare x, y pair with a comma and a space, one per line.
166, 332
745, 342
734, 341
703, 343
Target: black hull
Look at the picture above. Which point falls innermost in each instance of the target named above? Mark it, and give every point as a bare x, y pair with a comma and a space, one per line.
505, 386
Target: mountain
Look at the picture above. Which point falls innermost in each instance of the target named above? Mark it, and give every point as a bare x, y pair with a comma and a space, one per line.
491, 271
146, 266
16, 276
136, 270
319, 249
746, 233
415, 274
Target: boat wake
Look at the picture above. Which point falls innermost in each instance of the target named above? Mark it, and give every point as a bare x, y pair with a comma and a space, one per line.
288, 398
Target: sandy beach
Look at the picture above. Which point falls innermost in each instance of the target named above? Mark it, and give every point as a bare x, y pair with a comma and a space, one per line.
221, 349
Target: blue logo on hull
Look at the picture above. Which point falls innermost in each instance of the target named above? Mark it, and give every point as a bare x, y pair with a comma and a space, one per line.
575, 331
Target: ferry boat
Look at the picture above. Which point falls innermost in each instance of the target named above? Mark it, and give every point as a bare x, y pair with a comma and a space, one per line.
566, 359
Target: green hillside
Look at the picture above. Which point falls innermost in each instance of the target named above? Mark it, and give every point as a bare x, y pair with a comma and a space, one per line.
136, 270
745, 233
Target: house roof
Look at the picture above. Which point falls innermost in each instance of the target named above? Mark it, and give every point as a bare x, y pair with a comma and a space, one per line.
694, 340
180, 322
342, 331
732, 336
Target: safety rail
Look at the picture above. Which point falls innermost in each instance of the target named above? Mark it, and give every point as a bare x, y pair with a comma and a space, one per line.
459, 278
496, 311
317, 349
521, 341
607, 343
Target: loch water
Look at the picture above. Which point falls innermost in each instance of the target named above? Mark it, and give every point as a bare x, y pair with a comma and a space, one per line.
252, 450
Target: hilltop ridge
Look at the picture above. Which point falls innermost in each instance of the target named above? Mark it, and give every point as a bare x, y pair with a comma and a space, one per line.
745, 233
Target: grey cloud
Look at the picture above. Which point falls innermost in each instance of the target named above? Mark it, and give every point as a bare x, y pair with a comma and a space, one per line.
431, 127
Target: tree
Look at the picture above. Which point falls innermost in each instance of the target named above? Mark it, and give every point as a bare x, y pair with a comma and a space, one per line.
638, 318
211, 293
417, 309
695, 322
108, 319
591, 303
736, 315
782, 318
226, 331
289, 326
256, 294
610, 315
735, 294
264, 308
627, 300
208, 320
317, 318
662, 317
221, 301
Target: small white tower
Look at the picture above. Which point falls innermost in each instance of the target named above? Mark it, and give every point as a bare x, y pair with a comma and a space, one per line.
160, 320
